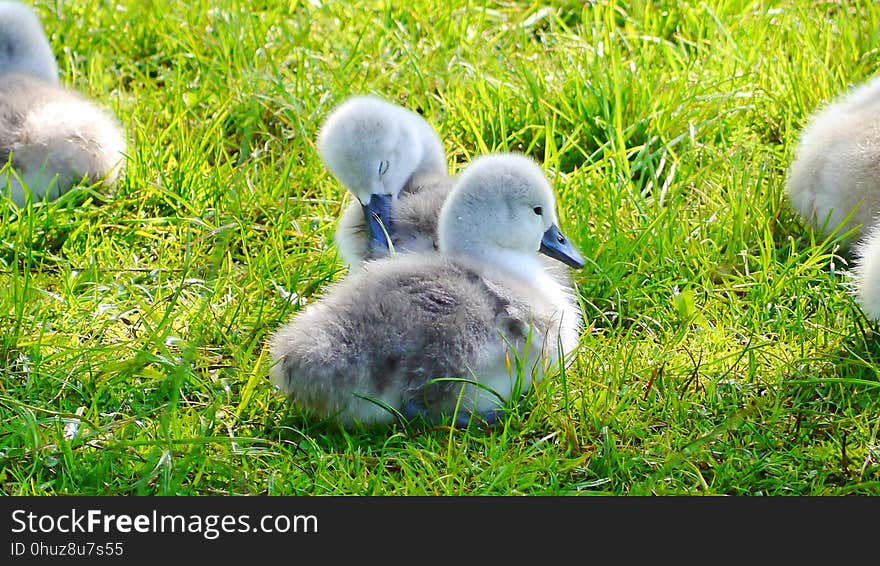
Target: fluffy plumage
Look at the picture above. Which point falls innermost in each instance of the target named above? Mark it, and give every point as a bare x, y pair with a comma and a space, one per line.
866, 273
365, 131
836, 171
384, 333
24, 47
836, 175
52, 137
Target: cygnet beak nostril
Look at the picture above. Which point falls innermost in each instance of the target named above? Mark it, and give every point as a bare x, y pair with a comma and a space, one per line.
555, 245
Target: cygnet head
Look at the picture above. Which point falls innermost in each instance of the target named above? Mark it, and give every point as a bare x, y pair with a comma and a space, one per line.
373, 147
501, 209
24, 47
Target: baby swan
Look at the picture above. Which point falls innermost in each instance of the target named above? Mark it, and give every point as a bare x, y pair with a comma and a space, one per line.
51, 136
393, 162
836, 171
404, 332
837, 174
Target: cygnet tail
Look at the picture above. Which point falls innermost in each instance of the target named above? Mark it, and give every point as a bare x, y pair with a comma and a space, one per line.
316, 368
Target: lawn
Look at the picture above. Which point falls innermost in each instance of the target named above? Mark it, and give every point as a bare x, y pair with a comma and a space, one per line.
723, 352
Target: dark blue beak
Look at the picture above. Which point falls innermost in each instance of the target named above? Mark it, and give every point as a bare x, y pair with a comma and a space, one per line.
377, 216
554, 244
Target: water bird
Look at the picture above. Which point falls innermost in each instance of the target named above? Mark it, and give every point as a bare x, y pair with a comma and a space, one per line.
393, 162
834, 179
50, 136
439, 335
834, 183
366, 134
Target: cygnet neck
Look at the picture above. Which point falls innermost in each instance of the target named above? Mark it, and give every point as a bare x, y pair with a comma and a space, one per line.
522, 264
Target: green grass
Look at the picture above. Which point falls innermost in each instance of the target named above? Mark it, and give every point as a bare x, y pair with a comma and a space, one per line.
723, 353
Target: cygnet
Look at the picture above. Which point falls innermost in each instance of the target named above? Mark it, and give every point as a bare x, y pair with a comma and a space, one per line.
51, 137
393, 162
834, 183
439, 335
834, 180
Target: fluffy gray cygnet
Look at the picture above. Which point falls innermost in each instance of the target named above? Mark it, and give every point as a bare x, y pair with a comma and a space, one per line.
393, 162
834, 182
403, 332
52, 137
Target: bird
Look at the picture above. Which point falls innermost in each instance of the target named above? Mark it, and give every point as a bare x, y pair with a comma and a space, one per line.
393, 162
834, 179
438, 335
50, 136
834, 184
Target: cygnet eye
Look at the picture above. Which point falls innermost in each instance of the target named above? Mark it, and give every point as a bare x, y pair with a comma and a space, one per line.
383, 167
538, 210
